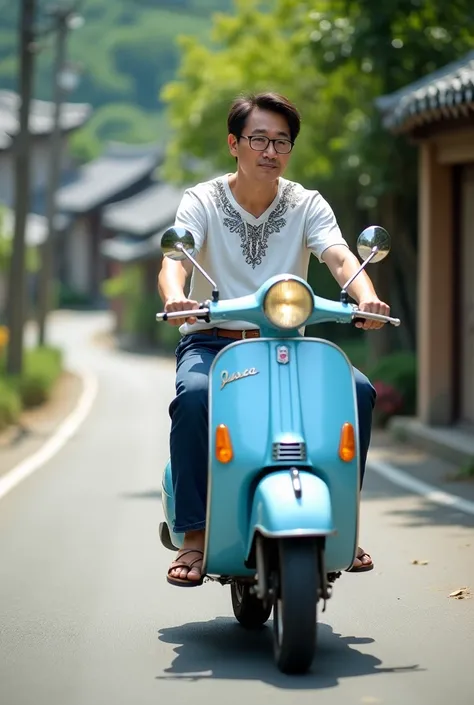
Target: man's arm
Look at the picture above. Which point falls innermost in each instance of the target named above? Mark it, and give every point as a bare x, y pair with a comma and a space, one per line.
171, 283
343, 264
173, 274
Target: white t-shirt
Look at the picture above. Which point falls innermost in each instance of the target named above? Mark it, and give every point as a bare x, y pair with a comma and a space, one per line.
240, 252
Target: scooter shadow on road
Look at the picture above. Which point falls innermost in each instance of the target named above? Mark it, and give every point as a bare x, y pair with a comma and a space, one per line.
221, 649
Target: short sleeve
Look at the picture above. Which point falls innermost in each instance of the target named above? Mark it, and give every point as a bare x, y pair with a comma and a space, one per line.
322, 230
192, 216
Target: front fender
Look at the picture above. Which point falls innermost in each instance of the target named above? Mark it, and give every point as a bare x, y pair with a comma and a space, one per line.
277, 512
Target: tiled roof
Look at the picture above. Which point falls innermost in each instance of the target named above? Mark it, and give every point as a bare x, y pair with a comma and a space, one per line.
446, 93
120, 167
127, 250
73, 115
145, 213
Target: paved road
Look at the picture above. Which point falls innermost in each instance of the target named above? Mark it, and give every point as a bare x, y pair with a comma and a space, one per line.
86, 616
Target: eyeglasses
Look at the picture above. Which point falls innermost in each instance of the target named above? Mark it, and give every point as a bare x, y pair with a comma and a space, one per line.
259, 143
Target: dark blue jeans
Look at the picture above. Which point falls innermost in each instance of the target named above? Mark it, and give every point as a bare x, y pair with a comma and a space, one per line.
189, 426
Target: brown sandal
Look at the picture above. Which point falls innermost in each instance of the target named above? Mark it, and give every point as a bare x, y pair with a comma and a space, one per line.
184, 582
364, 567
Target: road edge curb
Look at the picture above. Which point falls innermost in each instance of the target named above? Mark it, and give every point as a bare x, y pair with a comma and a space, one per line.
429, 492
65, 431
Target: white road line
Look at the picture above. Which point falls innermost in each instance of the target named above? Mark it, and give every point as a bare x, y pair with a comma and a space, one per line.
65, 431
429, 492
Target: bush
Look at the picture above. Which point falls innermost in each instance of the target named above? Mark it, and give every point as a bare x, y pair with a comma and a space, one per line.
70, 298
394, 378
138, 320
42, 367
10, 405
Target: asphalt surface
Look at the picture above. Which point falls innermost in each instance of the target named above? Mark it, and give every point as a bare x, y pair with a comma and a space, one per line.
86, 616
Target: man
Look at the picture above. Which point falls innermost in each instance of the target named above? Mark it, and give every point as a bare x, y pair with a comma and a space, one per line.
248, 226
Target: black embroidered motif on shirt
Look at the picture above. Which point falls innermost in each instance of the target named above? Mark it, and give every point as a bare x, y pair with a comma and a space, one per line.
254, 238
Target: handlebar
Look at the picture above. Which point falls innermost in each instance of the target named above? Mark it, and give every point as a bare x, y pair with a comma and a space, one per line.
204, 313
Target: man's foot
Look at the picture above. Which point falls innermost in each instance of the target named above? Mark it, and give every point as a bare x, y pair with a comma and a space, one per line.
185, 571
362, 563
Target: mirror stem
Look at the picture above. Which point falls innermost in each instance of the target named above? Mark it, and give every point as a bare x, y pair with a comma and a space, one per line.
344, 294
215, 290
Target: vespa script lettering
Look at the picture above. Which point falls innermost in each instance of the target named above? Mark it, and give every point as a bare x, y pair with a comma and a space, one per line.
227, 379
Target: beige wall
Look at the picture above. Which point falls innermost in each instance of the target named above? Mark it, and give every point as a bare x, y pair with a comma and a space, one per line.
466, 297
435, 332
440, 362
78, 256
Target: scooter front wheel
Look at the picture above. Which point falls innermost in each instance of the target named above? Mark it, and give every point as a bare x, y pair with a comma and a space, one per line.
249, 610
295, 589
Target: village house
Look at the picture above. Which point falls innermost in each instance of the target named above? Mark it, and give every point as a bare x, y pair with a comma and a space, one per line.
122, 171
41, 123
437, 114
132, 230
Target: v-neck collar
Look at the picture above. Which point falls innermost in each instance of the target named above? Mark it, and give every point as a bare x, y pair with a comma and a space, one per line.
245, 214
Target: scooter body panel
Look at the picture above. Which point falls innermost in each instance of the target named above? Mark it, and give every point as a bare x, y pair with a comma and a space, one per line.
284, 402
307, 507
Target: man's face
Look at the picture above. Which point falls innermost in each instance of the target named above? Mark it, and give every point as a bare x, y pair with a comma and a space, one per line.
267, 165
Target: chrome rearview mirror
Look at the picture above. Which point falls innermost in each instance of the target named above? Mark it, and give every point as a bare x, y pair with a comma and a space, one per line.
374, 241
177, 243
373, 245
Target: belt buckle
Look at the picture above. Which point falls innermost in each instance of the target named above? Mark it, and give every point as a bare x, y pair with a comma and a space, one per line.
244, 334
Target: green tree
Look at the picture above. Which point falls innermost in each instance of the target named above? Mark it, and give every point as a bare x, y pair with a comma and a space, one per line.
333, 58
127, 50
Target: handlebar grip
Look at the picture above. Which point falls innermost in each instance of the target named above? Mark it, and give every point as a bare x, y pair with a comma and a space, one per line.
202, 312
376, 317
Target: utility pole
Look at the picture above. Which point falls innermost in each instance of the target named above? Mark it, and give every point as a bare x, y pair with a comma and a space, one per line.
16, 284
47, 264
65, 19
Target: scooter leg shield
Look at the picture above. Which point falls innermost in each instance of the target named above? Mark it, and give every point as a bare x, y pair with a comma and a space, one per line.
290, 506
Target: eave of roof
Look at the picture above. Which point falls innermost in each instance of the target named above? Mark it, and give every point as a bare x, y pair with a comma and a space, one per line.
445, 93
146, 212
41, 119
118, 168
127, 251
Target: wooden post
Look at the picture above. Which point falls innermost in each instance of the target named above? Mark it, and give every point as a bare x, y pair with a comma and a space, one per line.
435, 289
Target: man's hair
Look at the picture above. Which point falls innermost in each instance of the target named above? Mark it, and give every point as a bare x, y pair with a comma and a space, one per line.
273, 102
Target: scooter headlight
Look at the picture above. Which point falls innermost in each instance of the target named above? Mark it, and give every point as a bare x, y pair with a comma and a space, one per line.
288, 304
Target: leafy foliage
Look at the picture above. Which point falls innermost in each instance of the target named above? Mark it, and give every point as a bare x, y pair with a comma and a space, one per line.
127, 50
42, 368
333, 58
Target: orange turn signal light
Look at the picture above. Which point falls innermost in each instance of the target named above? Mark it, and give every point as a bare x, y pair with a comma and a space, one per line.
347, 446
224, 452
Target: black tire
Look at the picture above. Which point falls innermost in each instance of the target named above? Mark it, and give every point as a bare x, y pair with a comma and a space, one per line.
249, 611
295, 605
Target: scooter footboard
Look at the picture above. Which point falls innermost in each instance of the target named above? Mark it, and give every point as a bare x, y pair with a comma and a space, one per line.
283, 508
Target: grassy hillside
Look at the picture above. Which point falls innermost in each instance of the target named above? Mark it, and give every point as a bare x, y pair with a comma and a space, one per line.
127, 50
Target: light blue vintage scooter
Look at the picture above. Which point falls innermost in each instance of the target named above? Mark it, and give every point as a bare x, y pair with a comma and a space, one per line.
283, 487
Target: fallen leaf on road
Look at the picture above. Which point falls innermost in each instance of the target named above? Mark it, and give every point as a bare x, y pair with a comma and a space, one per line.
417, 562
460, 594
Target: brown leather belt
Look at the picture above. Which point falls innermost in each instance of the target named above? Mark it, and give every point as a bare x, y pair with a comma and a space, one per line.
228, 333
